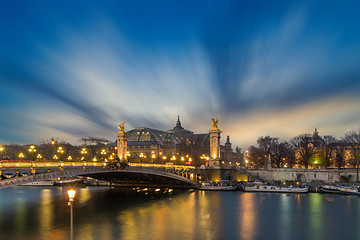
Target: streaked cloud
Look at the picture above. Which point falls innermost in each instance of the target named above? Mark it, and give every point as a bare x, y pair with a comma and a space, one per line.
278, 71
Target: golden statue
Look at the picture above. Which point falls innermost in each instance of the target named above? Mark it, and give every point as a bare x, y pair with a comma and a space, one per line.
122, 127
215, 123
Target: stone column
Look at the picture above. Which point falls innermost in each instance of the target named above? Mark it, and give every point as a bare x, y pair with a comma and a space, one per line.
214, 144
121, 138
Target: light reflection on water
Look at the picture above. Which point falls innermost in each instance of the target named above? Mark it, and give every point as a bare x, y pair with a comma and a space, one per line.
248, 215
285, 216
102, 213
315, 216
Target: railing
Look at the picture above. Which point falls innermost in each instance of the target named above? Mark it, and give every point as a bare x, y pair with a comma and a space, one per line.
87, 164
179, 172
45, 176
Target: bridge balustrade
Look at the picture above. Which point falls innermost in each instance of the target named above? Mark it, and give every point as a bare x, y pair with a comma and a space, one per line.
188, 172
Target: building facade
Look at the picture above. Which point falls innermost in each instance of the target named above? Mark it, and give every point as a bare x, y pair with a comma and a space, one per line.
175, 146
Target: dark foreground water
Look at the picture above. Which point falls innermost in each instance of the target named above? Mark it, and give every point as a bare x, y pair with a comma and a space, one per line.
103, 213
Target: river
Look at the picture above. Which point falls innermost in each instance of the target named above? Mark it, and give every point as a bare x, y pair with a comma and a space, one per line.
104, 213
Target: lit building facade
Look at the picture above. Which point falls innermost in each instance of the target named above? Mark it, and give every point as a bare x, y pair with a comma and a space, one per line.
175, 146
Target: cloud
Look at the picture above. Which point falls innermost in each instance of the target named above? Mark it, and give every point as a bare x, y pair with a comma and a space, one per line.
333, 116
260, 68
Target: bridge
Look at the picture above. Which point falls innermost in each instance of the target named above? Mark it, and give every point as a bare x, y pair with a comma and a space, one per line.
137, 174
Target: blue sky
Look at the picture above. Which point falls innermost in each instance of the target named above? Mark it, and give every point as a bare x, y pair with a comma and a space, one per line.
71, 69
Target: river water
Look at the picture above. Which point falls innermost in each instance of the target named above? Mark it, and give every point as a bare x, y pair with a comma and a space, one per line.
113, 213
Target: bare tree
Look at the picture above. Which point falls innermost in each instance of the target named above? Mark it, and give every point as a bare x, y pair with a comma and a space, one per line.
340, 153
328, 147
279, 153
353, 139
266, 143
256, 157
12, 151
304, 146
290, 156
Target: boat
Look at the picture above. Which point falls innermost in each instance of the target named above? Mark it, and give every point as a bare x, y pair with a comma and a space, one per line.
350, 190
259, 187
65, 182
39, 183
216, 186
331, 188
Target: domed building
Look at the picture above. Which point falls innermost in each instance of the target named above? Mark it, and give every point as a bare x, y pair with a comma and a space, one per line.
148, 143
180, 132
177, 145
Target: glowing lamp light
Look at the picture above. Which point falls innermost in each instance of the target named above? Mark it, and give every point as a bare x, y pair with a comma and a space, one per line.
71, 194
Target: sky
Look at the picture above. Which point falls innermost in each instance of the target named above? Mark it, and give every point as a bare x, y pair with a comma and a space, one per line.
70, 69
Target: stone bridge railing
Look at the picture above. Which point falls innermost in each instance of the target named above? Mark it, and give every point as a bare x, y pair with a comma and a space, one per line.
45, 176
36, 171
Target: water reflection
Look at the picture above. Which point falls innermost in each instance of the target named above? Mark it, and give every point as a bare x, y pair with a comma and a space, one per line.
103, 213
84, 195
20, 216
315, 217
285, 216
248, 216
46, 213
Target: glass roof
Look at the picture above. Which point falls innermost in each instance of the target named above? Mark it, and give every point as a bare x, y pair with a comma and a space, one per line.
151, 135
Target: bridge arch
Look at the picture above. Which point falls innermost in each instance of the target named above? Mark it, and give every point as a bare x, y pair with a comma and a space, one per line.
301, 177
146, 178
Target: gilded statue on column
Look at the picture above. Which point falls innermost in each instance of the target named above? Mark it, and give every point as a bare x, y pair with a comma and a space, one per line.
122, 127
215, 123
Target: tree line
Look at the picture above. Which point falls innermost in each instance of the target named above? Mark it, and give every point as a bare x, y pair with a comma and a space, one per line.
307, 150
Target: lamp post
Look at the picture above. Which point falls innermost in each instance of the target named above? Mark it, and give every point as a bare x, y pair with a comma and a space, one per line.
32, 151
83, 152
103, 153
71, 194
60, 151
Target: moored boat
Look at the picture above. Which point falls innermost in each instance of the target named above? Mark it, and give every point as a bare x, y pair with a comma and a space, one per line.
216, 186
350, 191
65, 182
39, 183
331, 188
276, 189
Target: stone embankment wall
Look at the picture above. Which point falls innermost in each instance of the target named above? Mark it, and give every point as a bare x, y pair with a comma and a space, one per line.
305, 175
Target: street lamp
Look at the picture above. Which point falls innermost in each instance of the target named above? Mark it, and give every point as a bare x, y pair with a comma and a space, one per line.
71, 194
32, 150
60, 151
103, 152
83, 152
